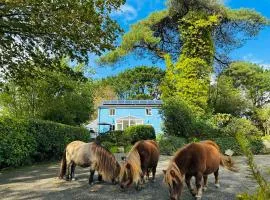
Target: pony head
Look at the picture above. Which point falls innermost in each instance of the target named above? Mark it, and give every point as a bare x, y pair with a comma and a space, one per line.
130, 171
174, 179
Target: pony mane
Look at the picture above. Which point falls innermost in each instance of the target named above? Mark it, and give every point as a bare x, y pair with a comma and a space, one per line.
168, 177
133, 158
106, 163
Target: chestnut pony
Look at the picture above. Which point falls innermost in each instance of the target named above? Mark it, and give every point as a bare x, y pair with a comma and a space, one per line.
195, 159
89, 155
141, 159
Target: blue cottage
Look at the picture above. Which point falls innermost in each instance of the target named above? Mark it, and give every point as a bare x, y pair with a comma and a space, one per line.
120, 114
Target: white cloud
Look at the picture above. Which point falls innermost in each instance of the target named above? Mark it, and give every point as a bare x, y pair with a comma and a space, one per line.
251, 58
127, 12
265, 65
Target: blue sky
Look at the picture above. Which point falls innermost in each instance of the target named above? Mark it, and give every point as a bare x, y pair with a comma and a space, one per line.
256, 50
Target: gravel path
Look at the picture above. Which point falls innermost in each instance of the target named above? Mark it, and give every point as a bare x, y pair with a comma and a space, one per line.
40, 182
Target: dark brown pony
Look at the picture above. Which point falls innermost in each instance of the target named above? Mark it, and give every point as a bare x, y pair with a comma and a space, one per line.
195, 159
89, 155
141, 159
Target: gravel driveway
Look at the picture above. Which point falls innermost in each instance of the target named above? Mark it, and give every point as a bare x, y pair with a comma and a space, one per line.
40, 182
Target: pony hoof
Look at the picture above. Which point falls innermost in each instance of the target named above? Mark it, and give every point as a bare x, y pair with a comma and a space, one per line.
217, 185
204, 189
73, 179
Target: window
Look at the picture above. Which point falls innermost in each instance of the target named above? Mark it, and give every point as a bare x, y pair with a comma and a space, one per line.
148, 111
123, 123
112, 111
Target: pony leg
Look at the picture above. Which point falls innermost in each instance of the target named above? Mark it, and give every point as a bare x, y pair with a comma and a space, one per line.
216, 179
187, 180
68, 176
73, 171
154, 173
99, 177
199, 178
205, 178
91, 178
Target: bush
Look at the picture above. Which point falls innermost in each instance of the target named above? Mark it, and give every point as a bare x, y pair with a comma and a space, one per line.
117, 137
170, 144
178, 118
26, 141
240, 125
140, 132
231, 143
16, 144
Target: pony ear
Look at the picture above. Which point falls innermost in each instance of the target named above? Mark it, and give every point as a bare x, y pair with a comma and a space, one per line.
164, 171
172, 173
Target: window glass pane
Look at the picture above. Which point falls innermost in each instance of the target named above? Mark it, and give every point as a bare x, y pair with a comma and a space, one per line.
148, 111
125, 124
132, 122
112, 111
118, 126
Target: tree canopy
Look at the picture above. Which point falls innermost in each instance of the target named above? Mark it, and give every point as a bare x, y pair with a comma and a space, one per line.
159, 33
38, 31
141, 82
53, 95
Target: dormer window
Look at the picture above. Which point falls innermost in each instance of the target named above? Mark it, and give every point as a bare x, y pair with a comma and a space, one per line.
112, 111
148, 111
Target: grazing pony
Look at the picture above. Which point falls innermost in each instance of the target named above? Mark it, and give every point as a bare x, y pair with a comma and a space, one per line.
141, 159
89, 155
195, 159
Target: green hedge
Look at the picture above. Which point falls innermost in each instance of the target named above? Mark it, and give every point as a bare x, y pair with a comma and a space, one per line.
140, 132
27, 141
170, 144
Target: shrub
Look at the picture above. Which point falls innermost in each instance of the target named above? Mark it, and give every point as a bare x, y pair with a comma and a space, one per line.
240, 125
16, 144
117, 137
178, 118
26, 141
140, 132
170, 144
52, 138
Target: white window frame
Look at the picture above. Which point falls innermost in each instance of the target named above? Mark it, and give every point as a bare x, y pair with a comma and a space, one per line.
147, 113
121, 123
112, 109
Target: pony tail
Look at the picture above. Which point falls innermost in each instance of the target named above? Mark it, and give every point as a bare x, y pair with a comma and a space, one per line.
63, 167
228, 163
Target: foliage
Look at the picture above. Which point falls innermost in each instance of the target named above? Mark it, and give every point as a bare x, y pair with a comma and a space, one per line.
16, 144
190, 74
263, 191
241, 125
159, 35
141, 82
262, 116
26, 141
140, 132
38, 29
57, 96
139, 35
254, 79
177, 117
117, 138
225, 98
101, 92
170, 144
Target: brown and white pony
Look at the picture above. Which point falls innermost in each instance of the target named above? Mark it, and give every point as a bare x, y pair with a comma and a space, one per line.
195, 159
141, 159
89, 155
